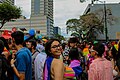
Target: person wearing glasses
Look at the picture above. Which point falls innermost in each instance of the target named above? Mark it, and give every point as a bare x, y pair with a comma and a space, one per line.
54, 67
100, 68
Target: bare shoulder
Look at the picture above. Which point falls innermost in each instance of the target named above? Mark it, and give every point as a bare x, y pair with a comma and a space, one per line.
57, 62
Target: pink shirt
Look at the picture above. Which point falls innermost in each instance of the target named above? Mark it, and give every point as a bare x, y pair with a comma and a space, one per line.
100, 69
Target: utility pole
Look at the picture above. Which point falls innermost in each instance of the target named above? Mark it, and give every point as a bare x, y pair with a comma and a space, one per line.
105, 23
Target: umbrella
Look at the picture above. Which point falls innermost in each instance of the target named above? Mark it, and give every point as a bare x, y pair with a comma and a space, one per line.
6, 36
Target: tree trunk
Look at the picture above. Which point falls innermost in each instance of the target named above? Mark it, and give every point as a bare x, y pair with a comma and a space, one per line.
2, 23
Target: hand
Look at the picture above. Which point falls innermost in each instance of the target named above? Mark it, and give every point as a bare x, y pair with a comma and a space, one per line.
12, 61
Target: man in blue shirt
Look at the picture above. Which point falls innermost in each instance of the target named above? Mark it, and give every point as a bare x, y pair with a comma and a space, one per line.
23, 62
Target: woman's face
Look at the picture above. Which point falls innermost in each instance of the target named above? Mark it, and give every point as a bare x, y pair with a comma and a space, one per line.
56, 49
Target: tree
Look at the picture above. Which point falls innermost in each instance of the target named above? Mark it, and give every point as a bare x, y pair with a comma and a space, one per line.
8, 12
75, 34
57, 36
91, 25
92, 1
88, 26
74, 25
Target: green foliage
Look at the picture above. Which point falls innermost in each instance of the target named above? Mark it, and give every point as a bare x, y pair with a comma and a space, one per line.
60, 37
88, 26
8, 12
89, 21
73, 25
75, 34
91, 25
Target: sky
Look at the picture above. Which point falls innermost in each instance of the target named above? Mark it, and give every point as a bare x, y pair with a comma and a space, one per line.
63, 10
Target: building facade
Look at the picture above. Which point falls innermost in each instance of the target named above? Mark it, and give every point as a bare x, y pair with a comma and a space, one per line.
41, 18
57, 30
112, 12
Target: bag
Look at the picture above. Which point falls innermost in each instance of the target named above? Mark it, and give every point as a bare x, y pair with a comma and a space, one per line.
69, 73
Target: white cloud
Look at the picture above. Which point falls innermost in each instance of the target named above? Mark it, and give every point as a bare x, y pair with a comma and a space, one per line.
63, 9
25, 5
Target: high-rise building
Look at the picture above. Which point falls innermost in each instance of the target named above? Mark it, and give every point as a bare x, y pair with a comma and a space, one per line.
112, 19
57, 30
41, 18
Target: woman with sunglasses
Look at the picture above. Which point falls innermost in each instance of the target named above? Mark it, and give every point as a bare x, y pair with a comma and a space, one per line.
54, 68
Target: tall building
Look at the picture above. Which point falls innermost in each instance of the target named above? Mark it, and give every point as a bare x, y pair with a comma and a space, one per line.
57, 30
41, 18
112, 12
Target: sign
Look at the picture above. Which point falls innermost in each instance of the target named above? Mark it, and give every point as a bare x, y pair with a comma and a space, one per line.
117, 35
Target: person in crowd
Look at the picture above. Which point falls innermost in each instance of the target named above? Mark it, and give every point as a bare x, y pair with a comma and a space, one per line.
100, 68
9, 43
72, 43
54, 67
75, 62
39, 64
86, 49
31, 45
23, 62
6, 48
65, 53
6, 54
112, 57
40, 45
13, 51
118, 59
3, 63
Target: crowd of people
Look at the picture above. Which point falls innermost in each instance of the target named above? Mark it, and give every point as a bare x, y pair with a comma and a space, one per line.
36, 59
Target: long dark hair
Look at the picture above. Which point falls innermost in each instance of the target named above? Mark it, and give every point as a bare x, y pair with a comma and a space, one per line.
48, 46
74, 54
5, 42
100, 48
